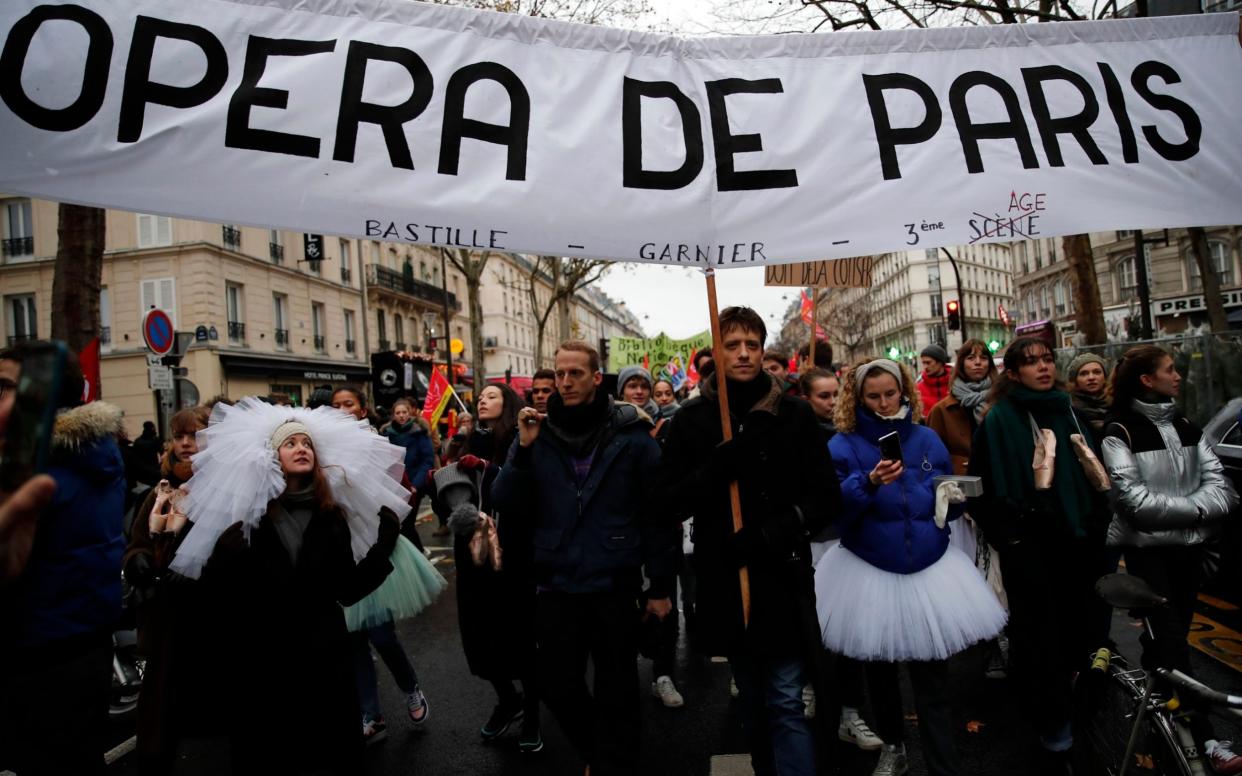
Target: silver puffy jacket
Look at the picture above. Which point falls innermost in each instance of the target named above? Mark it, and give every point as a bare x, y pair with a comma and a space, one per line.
1176, 495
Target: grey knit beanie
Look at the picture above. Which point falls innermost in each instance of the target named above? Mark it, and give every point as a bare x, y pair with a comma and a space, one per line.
1081, 360
936, 352
629, 372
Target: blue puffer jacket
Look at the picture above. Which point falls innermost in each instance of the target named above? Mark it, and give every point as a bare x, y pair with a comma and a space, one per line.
893, 526
420, 456
71, 587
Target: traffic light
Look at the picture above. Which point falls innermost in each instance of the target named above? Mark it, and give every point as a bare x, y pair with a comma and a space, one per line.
955, 315
994, 345
894, 352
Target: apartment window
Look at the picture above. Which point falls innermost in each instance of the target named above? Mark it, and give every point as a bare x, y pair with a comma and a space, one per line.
375, 252
347, 264
1127, 282
280, 319
317, 327
105, 319
231, 237
398, 330
235, 308
1045, 306
351, 345
1222, 265
22, 320
381, 330
275, 246
1058, 294
160, 293
154, 231
18, 229
933, 278
1125, 234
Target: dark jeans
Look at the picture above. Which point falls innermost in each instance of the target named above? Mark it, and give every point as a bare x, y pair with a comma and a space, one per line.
1054, 625
602, 726
770, 693
666, 654
1177, 574
54, 714
930, 681
384, 637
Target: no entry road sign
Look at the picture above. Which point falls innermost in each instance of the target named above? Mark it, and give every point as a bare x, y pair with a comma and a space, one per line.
157, 331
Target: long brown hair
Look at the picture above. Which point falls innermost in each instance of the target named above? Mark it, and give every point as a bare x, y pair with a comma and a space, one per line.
969, 348
1126, 383
324, 500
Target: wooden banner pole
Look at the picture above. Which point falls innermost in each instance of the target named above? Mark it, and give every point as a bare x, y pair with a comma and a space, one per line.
810, 353
726, 429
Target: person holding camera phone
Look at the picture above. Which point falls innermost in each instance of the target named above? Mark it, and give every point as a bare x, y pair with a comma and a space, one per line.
894, 590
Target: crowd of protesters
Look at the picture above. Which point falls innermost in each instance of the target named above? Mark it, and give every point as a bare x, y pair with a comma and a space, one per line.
822, 540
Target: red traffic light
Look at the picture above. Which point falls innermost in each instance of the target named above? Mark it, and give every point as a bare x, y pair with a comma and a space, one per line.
953, 306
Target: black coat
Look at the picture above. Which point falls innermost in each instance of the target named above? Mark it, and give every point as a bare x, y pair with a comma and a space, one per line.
296, 704
789, 491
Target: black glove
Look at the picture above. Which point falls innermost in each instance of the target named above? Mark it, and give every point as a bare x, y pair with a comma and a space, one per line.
139, 572
389, 530
230, 547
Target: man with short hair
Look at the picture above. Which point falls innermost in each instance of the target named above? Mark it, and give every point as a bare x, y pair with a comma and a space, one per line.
576, 495
778, 457
934, 381
542, 386
776, 364
823, 356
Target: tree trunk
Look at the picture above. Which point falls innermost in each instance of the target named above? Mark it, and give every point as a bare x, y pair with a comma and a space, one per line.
1088, 310
77, 275
476, 332
1211, 282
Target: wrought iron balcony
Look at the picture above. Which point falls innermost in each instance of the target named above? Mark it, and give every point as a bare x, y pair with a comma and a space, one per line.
282, 338
15, 339
379, 276
350, 346
19, 246
319, 344
105, 335
232, 238
385, 345
400, 346
237, 331
276, 252
346, 276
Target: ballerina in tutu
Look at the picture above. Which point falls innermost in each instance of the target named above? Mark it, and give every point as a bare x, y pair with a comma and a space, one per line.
894, 590
295, 514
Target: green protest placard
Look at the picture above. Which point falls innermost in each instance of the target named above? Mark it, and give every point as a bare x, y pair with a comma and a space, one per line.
658, 350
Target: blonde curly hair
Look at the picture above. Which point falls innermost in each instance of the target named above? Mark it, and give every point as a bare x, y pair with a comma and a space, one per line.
846, 413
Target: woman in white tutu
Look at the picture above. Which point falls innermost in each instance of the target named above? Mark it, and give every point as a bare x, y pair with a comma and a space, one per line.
894, 590
295, 514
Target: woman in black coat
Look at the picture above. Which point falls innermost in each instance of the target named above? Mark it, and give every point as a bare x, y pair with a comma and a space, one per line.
296, 707
495, 607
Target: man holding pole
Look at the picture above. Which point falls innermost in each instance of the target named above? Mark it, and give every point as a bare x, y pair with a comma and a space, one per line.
575, 494
757, 601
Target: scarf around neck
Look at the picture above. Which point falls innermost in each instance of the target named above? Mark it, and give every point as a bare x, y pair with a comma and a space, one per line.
291, 514
1011, 449
1093, 408
580, 426
972, 396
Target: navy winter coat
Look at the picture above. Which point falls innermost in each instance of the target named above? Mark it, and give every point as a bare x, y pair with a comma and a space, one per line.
892, 526
71, 587
597, 537
420, 455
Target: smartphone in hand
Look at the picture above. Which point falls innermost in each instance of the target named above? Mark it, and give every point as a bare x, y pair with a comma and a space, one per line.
890, 446
28, 435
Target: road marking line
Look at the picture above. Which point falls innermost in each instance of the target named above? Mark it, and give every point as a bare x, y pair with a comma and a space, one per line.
1217, 603
1216, 641
120, 750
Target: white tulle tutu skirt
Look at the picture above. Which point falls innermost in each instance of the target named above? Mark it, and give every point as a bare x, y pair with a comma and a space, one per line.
870, 614
411, 587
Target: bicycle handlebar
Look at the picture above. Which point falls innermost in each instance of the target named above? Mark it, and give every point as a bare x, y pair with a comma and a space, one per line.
1198, 691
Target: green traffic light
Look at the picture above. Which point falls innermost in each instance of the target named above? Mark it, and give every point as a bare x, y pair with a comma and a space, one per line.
894, 352
994, 346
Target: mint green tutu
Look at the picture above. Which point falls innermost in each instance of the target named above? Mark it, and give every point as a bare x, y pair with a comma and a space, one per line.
411, 587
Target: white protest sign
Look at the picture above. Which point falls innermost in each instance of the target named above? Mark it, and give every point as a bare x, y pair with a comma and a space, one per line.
395, 120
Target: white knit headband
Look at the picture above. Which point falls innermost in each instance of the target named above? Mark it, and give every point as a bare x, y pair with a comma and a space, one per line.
860, 375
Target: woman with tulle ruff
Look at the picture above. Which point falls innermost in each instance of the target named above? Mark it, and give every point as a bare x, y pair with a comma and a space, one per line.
894, 590
295, 514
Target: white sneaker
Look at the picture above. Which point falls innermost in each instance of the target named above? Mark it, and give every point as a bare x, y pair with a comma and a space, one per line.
892, 761
664, 689
854, 730
808, 702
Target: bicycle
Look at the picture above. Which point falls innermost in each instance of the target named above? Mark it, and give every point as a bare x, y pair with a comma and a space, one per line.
1134, 721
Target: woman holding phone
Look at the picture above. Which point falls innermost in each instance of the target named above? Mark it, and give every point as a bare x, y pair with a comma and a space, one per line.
894, 590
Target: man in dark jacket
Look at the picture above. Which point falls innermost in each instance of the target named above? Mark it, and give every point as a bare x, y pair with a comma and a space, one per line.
574, 485
56, 618
779, 458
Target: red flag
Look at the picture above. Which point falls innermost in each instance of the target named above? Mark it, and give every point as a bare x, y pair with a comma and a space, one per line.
89, 359
807, 314
438, 394
647, 361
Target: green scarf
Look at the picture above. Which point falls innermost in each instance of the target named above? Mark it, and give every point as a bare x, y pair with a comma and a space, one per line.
1011, 448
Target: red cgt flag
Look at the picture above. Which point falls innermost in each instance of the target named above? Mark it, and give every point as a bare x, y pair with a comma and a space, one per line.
438, 395
89, 359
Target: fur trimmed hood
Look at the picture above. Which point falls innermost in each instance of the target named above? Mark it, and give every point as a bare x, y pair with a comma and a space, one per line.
84, 425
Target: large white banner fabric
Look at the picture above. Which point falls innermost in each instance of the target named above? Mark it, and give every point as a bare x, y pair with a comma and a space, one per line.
395, 120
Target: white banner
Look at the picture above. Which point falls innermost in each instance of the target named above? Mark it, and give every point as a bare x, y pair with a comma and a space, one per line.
395, 120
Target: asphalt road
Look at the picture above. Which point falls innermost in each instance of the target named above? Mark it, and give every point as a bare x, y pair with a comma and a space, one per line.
991, 733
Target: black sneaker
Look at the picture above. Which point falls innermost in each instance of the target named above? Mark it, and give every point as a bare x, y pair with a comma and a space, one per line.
530, 740
502, 717
374, 730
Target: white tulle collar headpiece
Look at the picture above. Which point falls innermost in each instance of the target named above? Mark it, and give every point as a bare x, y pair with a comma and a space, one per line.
237, 473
